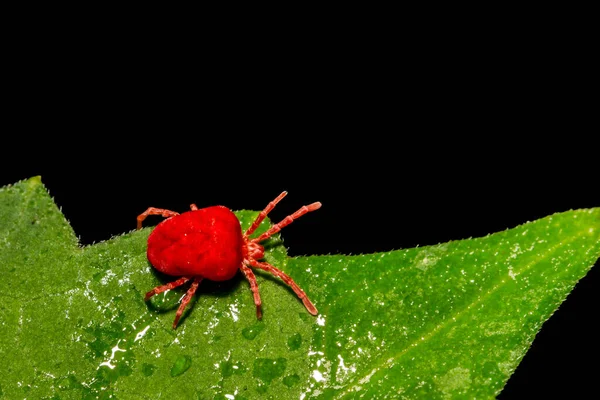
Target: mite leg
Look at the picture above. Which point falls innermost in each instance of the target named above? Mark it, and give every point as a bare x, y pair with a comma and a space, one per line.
193, 207
264, 213
287, 220
289, 281
254, 287
186, 300
164, 288
154, 211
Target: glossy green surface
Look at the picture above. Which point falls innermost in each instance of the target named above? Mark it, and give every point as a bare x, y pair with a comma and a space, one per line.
446, 321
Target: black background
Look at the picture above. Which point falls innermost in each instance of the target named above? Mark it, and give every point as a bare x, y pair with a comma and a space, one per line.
412, 147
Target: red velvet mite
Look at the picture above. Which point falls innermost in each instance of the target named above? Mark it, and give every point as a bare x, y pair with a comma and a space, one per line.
208, 243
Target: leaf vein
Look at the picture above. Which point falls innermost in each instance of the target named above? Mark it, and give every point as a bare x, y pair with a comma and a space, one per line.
423, 338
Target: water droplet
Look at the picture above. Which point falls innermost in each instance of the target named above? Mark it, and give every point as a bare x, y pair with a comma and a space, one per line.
261, 388
489, 369
141, 333
291, 380
321, 320
148, 369
165, 301
182, 364
229, 368
318, 376
251, 332
294, 341
68, 383
267, 369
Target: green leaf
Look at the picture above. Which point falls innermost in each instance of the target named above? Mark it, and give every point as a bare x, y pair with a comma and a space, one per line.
445, 321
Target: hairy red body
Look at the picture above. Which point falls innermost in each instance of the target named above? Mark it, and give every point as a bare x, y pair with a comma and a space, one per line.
208, 244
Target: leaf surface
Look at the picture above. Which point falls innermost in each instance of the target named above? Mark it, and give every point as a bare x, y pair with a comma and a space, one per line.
446, 321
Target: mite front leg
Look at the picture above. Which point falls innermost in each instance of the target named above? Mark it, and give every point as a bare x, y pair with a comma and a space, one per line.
254, 287
154, 211
287, 220
289, 281
186, 300
264, 213
164, 288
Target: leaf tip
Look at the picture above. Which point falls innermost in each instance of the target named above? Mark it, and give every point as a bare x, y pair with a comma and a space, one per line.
35, 180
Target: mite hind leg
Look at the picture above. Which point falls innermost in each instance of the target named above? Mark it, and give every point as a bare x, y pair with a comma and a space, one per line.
254, 287
154, 211
289, 281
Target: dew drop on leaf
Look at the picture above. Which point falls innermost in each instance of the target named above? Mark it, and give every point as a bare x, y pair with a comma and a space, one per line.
251, 332
148, 369
267, 369
182, 364
229, 368
291, 380
294, 341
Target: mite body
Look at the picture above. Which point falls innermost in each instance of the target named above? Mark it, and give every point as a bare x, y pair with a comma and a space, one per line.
208, 243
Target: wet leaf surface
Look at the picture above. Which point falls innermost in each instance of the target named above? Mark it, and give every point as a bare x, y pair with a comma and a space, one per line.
445, 321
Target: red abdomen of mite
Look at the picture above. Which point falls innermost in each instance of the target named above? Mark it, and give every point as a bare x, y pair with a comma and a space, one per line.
206, 243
